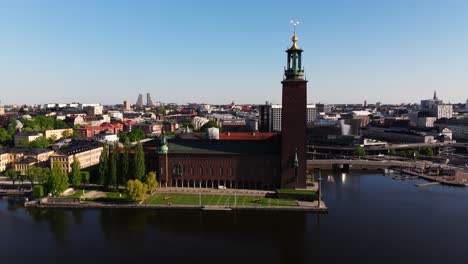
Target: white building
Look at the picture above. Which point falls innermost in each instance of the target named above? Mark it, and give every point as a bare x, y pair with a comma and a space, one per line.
93, 109
442, 111
275, 117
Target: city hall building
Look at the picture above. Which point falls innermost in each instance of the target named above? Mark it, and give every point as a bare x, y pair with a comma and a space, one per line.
243, 160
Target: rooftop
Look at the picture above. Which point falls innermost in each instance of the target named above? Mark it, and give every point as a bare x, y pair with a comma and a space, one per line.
244, 147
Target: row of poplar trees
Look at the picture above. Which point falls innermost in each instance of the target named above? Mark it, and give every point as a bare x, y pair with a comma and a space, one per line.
117, 168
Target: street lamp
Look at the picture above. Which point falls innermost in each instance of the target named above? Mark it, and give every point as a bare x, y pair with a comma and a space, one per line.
319, 191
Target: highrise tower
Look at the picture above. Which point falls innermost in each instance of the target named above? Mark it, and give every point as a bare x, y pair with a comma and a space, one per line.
139, 102
149, 102
293, 126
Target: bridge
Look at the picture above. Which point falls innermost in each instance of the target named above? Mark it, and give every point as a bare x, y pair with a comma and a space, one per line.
384, 148
359, 164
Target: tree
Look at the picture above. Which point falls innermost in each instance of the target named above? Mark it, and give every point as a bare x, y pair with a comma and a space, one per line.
36, 174
12, 175
103, 164
360, 151
139, 162
151, 181
114, 159
125, 162
66, 134
392, 152
5, 137
44, 176
85, 175
76, 172
136, 190
40, 142
426, 151
209, 124
23, 143
58, 180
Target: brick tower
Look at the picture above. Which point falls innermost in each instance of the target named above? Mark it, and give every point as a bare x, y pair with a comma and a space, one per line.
293, 121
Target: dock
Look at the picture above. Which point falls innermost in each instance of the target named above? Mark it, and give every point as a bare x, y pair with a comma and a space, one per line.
438, 179
426, 184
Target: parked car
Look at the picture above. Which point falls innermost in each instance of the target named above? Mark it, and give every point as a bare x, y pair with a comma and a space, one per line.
221, 187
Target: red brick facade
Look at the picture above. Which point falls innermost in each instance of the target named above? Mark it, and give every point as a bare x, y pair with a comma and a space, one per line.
294, 133
211, 170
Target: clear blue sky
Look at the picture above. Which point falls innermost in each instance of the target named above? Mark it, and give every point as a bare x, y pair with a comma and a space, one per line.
217, 51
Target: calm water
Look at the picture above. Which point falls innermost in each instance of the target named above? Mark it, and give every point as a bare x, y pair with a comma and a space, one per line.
371, 219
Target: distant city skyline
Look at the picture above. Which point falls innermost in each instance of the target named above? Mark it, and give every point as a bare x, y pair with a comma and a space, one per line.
216, 52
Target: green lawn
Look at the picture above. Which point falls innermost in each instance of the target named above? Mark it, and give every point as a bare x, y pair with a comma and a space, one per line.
214, 199
114, 197
77, 194
293, 191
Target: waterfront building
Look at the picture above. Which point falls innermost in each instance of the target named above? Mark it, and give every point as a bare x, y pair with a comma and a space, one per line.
25, 164
459, 127
5, 159
87, 152
396, 135
294, 118
242, 160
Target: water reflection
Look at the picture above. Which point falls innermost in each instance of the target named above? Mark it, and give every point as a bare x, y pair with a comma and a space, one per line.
371, 217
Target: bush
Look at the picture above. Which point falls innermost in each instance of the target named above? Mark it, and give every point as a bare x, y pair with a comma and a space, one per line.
136, 190
85, 175
38, 191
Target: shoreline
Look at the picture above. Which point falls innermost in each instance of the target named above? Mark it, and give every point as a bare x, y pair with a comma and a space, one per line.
96, 205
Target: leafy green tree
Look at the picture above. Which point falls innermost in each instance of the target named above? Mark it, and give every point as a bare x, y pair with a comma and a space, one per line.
114, 159
392, 152
40, 142
38, 191
58, 180
37, 175
44, 176
426, 151
125, 162
360, 152
139, 162
12, 175
136, 190
76, 172
136, 135
151, 181
85, 176
66, 134
12, 127
23, 143
5, 137
209, 124
103, 164
60, 124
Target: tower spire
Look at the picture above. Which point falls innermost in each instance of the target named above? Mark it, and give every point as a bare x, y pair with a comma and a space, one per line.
294, 68
435, 95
